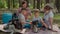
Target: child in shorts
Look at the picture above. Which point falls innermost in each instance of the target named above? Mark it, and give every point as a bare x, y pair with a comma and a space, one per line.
37, 17
22, 18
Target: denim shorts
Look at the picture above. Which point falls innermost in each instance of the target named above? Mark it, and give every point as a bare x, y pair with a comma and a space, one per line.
39, 25
27, 25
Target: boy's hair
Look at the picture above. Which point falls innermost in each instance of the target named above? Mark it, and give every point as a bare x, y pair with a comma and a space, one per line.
36, 10
23, 9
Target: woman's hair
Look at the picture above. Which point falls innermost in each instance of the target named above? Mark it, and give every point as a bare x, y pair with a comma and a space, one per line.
48, 7
23, 2
23, 9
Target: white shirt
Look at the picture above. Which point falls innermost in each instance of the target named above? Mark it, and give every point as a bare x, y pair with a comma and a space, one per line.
47, 16
21, 18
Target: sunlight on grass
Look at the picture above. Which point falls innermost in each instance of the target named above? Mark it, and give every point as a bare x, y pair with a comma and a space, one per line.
57, 16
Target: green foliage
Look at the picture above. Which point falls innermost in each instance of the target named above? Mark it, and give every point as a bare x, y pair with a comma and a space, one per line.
16, 3
3, 4
57, 16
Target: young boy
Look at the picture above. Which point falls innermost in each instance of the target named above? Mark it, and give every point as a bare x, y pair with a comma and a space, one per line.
37, 17
22, 18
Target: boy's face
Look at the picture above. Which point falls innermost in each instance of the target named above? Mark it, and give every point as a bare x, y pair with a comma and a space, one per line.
24, 12
37, 14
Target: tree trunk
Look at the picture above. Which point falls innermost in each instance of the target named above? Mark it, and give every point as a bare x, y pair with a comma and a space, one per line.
47, 1
38, 4
57, 3
8, 1
20, 3
41, 4
13, 4
33, 3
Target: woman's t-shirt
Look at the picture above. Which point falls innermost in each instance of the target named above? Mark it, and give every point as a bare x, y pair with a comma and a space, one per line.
47, 16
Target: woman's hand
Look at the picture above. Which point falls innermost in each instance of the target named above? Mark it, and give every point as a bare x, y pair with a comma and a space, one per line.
44, 24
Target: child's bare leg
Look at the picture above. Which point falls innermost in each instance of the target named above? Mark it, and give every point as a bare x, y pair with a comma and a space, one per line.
23, 31
54, 30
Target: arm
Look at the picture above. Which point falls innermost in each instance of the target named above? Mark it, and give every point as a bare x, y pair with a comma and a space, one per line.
44, 24
51, 15
51, 21
29, 11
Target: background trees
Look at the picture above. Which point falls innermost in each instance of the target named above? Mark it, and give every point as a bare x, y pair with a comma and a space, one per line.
11, 4
57, 3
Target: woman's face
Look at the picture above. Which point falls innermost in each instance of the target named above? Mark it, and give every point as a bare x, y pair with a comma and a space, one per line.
24, 5
46, 11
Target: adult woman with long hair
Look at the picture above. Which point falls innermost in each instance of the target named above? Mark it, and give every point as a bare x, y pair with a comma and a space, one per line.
48, 16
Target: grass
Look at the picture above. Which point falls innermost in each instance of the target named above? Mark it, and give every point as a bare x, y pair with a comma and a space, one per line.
56, 16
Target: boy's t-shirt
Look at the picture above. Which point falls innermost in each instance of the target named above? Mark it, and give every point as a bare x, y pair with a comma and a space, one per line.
38, 18
21, 18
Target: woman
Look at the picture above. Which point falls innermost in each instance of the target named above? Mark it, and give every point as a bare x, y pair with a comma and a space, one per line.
24, 5
48, 16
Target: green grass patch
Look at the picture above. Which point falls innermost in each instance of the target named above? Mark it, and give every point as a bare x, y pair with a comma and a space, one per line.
57, 16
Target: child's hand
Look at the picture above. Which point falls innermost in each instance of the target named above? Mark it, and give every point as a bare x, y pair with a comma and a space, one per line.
30, 22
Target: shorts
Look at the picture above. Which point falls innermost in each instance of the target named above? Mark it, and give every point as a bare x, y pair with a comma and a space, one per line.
27, 25
39, 25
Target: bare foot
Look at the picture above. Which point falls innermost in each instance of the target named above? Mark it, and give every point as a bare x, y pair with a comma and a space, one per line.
54, 30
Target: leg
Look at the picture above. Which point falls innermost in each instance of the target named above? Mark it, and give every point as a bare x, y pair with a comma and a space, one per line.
27, 26
39, 25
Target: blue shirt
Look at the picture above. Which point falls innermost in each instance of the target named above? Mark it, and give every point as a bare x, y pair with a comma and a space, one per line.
38, 18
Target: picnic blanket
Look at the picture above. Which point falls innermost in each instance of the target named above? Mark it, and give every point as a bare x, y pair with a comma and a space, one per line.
55, 27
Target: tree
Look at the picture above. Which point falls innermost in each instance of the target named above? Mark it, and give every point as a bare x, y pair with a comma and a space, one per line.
57, 3
16, 3
20, 3
13, 3
33, 3
3, 4
8, 4
38, 4
47, 1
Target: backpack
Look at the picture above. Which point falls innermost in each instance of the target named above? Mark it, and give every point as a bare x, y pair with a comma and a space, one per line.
15, 21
